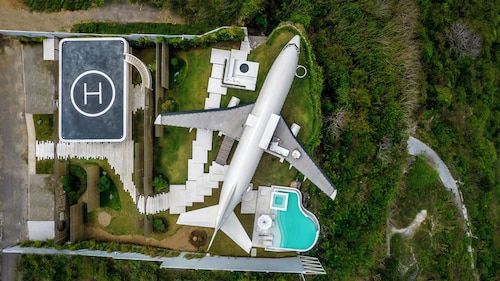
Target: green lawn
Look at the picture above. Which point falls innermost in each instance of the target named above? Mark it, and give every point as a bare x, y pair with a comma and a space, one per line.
44, 127
172, 152
174, 149
124, 221
45, 166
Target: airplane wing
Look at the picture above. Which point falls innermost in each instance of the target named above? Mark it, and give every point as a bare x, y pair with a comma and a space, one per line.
285, 145
229, 121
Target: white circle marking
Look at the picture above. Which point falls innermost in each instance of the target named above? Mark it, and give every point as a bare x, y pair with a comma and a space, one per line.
300, 67
112, 91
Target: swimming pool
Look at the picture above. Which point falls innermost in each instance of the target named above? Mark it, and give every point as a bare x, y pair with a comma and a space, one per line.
297, 229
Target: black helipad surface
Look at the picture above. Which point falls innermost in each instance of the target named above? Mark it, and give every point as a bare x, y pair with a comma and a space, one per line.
92, 101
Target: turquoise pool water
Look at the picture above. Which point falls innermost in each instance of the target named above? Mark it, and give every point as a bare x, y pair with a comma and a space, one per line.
298, 231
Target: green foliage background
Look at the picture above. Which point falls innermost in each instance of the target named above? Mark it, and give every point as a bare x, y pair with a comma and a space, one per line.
360, 46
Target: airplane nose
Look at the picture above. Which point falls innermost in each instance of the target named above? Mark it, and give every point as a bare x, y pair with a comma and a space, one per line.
295, 40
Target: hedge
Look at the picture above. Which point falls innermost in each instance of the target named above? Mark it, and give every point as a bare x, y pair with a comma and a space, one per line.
103, 246
139, 27
226, 34
57, 5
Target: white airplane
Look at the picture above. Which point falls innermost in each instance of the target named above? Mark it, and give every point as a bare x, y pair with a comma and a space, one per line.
259, 128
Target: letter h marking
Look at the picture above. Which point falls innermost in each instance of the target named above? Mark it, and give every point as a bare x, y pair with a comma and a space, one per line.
85, 93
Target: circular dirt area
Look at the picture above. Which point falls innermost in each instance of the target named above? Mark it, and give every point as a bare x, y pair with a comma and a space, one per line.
198, 238
104, 218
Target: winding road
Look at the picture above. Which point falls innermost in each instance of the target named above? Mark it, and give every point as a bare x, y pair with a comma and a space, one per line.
418, 148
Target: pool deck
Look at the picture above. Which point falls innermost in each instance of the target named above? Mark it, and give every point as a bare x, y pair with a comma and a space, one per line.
262, 239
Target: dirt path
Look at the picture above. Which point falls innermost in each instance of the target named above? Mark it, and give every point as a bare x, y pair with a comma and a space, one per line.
178, 241
14, 15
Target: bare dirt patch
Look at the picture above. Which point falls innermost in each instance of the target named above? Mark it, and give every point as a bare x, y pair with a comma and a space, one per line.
178, 241
104, 218
15, 15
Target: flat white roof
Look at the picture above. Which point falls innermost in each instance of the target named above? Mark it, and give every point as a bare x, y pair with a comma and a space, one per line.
41, 230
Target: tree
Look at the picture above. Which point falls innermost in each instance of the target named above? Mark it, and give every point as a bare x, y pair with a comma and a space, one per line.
160, 183
104, 183
159, 225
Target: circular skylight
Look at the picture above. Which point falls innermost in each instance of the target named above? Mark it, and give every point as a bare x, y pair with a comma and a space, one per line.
244, 68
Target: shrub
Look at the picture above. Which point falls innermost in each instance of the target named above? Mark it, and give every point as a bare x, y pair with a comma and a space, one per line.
109, 196
159, 225
139, 27
160, 183
74, 183
104, 183
225, 34
170, 105
57, 5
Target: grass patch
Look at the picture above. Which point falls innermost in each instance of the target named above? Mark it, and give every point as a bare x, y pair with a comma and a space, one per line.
125, 221
44, 127
175, 147
148, 56
439, 246
45, 166
172, 152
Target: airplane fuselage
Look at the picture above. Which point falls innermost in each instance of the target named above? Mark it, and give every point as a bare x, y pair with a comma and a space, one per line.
247, 155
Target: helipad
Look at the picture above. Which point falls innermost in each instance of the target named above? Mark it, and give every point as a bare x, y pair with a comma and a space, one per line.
93, 80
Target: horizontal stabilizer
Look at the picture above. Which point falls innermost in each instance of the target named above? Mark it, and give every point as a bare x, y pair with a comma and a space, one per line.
233, 228
204, 217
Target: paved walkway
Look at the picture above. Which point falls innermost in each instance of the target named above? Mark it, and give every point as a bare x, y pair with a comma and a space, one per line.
16, 16
13, 150
13, 144
417, 147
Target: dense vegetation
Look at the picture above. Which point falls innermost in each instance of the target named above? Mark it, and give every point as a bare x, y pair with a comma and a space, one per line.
32, 268
57, 5
461, 118
369, 51
438, 248
139, 27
